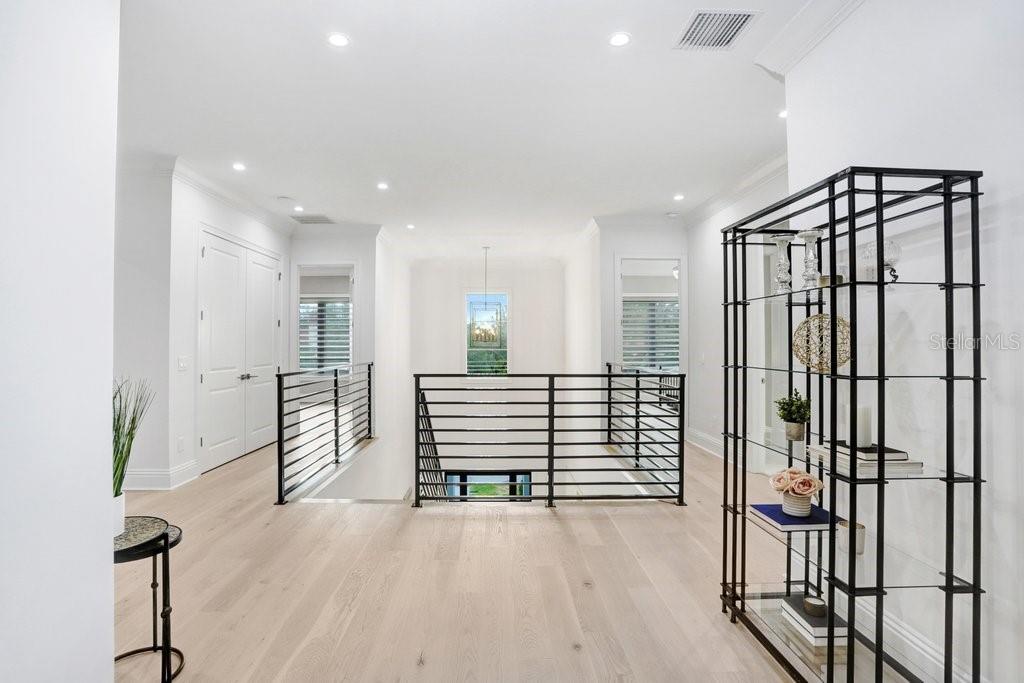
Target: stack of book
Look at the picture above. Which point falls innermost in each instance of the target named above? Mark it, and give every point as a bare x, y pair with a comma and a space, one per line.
812, 630
897, 462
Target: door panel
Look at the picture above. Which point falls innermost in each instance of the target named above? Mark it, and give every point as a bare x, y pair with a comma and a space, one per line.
261, 337
221, 351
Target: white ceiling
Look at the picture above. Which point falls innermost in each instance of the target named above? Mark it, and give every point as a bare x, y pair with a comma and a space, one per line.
496, 119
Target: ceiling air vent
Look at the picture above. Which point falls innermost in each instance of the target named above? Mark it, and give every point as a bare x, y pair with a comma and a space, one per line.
312, 219
715, 29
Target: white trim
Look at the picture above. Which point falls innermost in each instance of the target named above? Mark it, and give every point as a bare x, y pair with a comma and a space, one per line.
189, 176
801, 34
704, 441
747, 184
161, 479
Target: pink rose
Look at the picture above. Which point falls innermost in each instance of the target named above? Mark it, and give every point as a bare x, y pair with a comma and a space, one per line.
781, 480
804, 486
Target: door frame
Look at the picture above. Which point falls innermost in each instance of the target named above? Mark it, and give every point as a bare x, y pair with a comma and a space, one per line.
282, 262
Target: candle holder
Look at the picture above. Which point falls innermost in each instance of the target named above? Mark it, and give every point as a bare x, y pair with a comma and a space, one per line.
811, 273
783, 278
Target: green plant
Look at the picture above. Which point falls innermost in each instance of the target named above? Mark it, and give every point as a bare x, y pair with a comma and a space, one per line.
131, 401
794, 408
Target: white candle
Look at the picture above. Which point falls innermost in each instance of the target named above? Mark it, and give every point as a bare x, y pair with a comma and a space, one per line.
864, 425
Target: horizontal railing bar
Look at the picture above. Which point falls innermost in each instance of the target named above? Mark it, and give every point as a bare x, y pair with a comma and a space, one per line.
324, 402
310, 442
534, 403
514, 498
310, 476
545, 376
542, 443
560, 469
342, 379
320, 370
355, 437
320, 451
563, 430
329, 390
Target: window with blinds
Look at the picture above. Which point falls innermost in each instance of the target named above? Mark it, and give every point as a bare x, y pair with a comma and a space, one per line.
325, 331
650, 332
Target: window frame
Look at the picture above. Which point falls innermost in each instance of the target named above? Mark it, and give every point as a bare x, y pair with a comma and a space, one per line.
508, 333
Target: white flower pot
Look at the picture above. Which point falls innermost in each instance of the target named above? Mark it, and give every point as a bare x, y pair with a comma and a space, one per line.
118, 518
796, 506
795, 431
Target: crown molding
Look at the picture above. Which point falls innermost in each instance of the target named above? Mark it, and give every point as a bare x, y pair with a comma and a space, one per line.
184, 173
808, 27
748, 183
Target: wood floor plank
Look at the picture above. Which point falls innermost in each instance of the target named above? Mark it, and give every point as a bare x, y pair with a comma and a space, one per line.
332, 591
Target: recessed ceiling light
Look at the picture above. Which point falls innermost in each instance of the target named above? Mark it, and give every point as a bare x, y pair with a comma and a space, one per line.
619, 39
783, 114
410, 226
299, 209
338, 40
678, 197
238, 166
382, 185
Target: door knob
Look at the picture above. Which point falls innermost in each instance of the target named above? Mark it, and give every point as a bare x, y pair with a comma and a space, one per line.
245, 376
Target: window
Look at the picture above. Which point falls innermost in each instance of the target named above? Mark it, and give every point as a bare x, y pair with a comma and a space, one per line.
506, 484
650, 331
325, 331
487, 334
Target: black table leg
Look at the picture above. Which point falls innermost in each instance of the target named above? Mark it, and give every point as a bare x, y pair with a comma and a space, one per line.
165, 656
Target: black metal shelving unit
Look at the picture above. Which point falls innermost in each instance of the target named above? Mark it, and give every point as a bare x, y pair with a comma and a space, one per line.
851, 208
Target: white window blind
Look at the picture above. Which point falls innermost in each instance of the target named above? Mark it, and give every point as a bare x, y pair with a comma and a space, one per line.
650, 332
325, 331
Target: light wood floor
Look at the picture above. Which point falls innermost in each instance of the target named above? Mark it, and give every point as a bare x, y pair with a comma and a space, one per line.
316, 591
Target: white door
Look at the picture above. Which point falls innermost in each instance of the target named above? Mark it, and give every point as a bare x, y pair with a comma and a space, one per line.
221, 351
261, 334
238, 350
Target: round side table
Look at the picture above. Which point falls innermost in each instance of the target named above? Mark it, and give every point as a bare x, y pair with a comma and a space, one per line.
152, 537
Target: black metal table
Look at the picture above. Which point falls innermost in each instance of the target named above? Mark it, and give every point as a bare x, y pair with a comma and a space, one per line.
152, 537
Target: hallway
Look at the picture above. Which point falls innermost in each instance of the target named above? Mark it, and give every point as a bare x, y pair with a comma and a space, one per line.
490, 591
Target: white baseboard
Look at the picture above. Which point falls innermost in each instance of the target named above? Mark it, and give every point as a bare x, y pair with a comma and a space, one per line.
704, 441
160, 479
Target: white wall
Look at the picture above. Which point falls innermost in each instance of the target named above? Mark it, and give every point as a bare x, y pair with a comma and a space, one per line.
938, 84
704, 417
384, 468
58, 117
162, 212
536, 322
583, 298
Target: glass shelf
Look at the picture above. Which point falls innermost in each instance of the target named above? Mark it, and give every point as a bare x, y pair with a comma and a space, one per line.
764, 610
800, 455
802, 294
902, 570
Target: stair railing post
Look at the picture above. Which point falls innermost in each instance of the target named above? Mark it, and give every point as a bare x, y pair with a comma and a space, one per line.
369, 400
608, 403
681, 380
636, 419
337, 421
418, 440
280, 440
551, 441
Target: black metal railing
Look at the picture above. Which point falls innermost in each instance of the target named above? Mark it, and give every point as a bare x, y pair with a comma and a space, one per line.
322, 416
549, 437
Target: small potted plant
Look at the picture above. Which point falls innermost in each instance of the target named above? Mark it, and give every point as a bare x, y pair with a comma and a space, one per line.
131, 401
795, 411
797, 487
